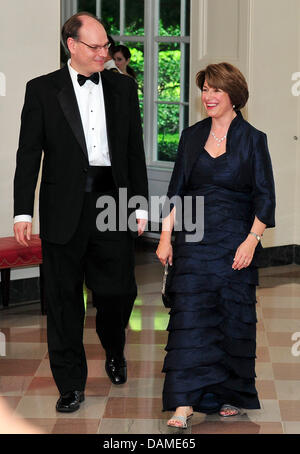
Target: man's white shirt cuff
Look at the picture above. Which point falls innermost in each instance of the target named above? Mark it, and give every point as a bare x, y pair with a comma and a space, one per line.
141, 214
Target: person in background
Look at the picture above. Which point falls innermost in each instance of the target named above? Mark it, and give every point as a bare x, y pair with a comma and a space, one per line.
110, 64
122, 56
211, 350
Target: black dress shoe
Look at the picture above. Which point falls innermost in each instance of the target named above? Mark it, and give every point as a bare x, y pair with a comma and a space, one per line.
69, 402
116, 369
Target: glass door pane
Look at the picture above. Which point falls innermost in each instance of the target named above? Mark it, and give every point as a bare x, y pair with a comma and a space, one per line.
134, 17
137, 64
168, 131
87, 5
169, 55
110, 14
169, 17
187, 17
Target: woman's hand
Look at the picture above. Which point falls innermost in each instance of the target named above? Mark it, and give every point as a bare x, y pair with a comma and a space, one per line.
165, 251
244, 253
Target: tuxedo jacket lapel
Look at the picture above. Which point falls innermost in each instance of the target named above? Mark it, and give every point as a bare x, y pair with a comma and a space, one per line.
67, 99
111, 111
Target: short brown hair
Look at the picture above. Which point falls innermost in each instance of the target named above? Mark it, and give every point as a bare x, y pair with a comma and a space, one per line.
229, 79
72, 25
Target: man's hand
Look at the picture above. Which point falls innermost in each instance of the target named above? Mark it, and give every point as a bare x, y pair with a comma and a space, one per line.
141, 225
22, 232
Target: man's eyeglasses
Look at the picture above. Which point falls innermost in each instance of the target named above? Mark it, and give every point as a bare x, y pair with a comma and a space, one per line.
95, 48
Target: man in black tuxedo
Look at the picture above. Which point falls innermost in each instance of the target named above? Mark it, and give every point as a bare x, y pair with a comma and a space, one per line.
86, 122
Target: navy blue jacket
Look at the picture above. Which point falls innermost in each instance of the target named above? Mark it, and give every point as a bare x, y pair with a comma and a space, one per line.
248, 152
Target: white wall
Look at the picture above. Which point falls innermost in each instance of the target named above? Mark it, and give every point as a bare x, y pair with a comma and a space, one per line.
274, 57
29, 47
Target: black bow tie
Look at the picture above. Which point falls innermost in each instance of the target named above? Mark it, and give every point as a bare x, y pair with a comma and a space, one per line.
82, 79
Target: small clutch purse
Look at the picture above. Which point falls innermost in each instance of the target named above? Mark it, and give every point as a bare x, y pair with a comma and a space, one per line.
165, 286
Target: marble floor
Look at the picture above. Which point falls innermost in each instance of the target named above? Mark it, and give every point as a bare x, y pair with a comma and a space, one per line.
27, 386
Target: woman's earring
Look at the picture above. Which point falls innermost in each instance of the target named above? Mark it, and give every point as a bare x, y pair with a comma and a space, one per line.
233, 106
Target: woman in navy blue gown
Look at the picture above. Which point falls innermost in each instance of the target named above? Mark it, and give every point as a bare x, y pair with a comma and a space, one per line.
210, 360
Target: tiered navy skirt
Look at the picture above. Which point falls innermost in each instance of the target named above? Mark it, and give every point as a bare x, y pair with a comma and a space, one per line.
211, 345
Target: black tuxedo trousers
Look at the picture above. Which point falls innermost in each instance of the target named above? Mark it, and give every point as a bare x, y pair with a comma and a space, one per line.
105, 262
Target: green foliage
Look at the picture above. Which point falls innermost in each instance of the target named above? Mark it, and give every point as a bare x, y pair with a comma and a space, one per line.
168, 118
137, 64
172, 30
167, 146
169, 18
111, 15
169, 75
134, 17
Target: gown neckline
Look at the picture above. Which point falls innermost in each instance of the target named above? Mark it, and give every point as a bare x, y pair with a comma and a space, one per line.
231, 126
217, 157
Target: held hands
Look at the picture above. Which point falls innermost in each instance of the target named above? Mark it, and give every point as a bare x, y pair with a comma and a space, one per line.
244, 253
22, 231
164, 252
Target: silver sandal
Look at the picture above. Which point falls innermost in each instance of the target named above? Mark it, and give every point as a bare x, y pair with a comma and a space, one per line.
237, 410
182, 419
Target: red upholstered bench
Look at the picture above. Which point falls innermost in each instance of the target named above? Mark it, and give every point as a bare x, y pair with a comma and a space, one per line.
13, 255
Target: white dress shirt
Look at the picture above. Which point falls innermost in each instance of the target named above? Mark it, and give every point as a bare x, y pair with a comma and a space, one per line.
90, 100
